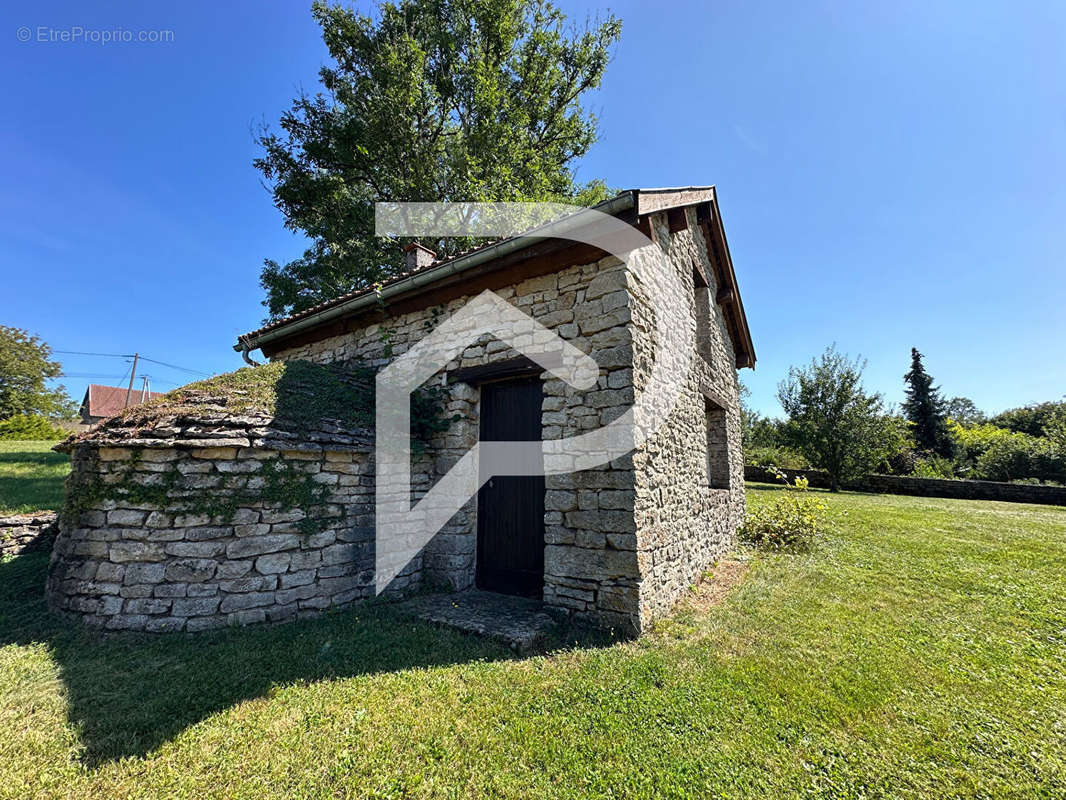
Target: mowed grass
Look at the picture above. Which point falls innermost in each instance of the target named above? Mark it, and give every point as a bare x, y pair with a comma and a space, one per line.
31, 477
919, 652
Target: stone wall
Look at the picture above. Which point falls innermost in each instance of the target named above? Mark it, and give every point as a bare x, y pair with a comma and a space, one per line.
25, 533
683, 523
927, 487
179, 564
591, 568
623, 541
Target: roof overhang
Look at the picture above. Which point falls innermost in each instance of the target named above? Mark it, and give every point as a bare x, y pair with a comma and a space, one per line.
636, 205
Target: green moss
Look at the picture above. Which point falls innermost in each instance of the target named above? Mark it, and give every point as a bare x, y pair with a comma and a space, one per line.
285, 486
298, 393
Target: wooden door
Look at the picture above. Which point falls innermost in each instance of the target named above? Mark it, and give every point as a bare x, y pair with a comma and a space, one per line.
510, 509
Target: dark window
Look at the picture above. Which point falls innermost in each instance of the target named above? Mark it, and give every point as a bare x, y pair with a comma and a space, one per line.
717, 446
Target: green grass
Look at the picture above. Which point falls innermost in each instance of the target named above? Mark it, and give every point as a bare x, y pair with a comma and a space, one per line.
919, 652
31, 477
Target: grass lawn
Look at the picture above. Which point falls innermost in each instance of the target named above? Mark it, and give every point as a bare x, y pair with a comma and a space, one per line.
919, 652
31, 477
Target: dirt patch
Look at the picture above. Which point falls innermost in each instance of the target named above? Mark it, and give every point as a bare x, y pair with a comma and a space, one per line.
717, 582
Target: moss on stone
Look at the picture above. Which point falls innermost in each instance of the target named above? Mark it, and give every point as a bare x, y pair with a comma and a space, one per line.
300, 393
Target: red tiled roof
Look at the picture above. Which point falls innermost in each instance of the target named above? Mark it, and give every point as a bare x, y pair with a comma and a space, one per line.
106, 401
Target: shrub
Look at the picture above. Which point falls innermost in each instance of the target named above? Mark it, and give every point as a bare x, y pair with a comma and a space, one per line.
975, 440
1018, 455
934, 467
780, 457
30, 427
793, 521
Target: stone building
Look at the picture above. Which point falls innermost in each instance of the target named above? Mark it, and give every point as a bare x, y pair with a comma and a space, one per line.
614, 545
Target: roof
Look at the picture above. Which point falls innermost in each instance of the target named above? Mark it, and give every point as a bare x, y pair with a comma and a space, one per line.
636, 204
293, 405
106, 401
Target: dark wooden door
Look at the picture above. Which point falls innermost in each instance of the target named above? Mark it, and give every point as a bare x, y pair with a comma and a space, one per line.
510, 509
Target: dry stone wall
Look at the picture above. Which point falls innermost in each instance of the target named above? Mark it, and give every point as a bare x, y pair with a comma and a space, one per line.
922, 487
179, 565
591, 569
683, 523
25, 533
202, 543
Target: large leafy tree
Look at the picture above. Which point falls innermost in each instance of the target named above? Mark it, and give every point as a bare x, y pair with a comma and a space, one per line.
964, 411
25, 366
926, 410
1035, 420
833, 420
428, 100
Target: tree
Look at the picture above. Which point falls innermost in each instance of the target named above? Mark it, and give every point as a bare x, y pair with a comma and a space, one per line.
964, 411
1037, 419
832, 420
926, 410
433, 100
25, 365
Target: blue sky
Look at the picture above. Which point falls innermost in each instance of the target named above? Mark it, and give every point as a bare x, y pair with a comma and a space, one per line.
891, 175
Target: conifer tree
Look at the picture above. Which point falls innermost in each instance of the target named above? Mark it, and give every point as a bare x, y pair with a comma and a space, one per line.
926, 409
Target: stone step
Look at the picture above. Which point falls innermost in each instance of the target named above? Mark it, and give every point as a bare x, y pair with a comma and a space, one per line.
520, 623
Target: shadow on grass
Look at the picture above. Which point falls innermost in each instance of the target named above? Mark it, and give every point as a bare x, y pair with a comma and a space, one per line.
31, 480
130, 693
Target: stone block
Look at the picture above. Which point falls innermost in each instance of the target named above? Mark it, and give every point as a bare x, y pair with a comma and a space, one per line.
157, 519
124, 517
194, 606
122, 552
339, 554
190, 570
143, 590
147, 605
261, 545
286, 596
203, 534
301, 578
252, 529
196, 549
144, 573
305, 560
252, 583
112, 573
239, 602
273, 563
214, 453
230, 570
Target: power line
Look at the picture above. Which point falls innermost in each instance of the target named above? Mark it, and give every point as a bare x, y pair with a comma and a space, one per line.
130, 355
102, 355
174, 366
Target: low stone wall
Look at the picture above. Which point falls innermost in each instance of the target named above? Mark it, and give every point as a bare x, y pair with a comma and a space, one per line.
160, 553
927, 487
24, 533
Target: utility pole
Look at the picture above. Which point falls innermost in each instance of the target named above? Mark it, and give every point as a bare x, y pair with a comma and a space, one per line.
133, 374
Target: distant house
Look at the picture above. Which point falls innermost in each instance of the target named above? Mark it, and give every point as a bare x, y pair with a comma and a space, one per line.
101, 402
